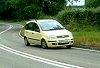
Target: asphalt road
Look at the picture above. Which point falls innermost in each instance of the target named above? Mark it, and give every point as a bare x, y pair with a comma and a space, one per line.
14, 54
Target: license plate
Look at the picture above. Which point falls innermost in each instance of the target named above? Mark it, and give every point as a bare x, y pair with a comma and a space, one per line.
63, 41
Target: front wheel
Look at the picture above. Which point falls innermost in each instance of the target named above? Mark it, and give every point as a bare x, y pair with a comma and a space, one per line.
26, 42
44, 44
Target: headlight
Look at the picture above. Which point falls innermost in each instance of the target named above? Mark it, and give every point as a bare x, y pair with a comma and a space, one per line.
52, 37
70, 35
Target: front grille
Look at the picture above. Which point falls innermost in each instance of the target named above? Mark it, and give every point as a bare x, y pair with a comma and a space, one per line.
63, 36
63, 43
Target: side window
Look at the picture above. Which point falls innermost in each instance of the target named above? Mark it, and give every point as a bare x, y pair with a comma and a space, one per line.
29, 26
35, 27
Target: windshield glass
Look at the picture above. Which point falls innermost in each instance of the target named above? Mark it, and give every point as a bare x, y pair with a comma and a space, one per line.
50, 25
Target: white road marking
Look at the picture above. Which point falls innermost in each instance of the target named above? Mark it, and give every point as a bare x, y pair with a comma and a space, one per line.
20, 34
37, 58
6, 29
33, 57
87, 49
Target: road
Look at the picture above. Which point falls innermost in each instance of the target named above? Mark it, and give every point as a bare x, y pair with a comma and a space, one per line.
14, 54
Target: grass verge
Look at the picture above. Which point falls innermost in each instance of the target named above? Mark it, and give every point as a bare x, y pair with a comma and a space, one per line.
87, 39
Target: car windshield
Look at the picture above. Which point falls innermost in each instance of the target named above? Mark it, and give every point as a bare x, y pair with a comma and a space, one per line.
50, 25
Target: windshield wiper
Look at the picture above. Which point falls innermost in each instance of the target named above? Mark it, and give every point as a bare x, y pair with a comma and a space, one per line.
51, 29
54, 29
61, 28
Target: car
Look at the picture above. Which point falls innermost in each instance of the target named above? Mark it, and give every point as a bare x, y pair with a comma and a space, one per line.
47, 33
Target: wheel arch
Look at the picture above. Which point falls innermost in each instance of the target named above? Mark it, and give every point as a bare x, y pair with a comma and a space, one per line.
42, 39
24, 37
45, 43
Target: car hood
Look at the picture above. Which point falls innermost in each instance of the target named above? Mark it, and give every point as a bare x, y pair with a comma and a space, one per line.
57, 32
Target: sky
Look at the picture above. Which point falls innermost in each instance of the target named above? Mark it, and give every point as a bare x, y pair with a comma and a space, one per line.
80, 3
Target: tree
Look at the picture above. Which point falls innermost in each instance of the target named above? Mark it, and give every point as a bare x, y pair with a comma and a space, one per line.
25, 9
2, 3
52, 7
92, 3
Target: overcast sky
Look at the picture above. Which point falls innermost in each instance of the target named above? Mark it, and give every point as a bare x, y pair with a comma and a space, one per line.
80, 3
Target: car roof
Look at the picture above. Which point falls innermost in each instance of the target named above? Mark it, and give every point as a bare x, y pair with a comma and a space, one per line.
41, 20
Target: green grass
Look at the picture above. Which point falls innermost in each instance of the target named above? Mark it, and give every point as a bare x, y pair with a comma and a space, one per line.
87, 38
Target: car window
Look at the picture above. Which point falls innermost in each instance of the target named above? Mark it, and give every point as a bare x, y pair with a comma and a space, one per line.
35, 27
29, 26
50, 25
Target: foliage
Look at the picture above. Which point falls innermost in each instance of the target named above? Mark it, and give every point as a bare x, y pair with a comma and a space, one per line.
26, 9
1, 5
87, 39
51, 7
92, 3
29, 12
76, 18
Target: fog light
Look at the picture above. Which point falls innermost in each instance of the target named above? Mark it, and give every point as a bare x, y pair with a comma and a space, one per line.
54, 43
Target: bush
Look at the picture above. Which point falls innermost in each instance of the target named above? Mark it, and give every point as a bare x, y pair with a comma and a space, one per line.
83, 17
92, 3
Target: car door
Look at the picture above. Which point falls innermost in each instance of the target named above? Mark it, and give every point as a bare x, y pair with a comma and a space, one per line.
28, 32
36, 35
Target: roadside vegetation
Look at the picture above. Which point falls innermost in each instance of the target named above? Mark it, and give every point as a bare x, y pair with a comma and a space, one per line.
84, 22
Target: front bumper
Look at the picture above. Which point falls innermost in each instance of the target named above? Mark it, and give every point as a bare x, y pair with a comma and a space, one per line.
60, 42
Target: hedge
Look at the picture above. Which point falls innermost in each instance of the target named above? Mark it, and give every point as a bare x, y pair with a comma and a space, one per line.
78, 19
83, 16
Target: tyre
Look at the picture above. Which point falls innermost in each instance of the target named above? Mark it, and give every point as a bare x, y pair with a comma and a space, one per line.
26, 42
44, 44
69, 47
